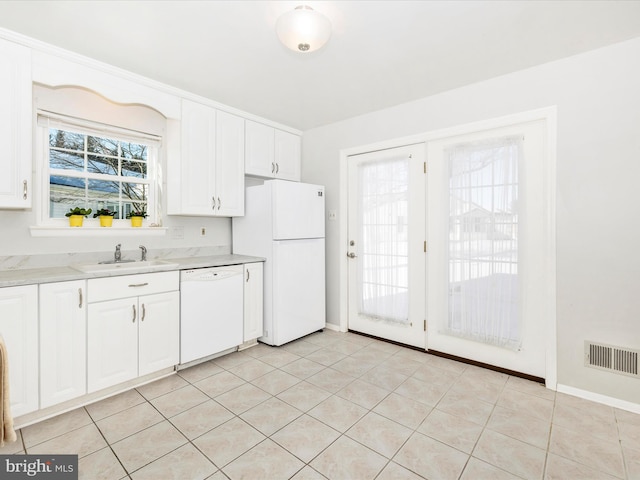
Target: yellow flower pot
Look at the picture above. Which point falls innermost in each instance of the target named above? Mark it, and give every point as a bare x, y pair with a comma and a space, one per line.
76, 220
106, 220
136, 221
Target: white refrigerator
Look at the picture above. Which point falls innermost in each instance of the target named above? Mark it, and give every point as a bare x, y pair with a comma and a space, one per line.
284, 223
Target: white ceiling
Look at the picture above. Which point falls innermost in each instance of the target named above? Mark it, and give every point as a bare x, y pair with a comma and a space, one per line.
381, 53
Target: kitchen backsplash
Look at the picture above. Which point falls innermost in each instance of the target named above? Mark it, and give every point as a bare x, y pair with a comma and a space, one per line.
22, 262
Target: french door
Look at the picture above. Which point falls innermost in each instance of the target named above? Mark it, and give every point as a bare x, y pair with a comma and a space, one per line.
386, 233
483, 212
487, 235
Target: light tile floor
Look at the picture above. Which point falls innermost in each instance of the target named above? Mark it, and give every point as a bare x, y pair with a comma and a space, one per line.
341, 406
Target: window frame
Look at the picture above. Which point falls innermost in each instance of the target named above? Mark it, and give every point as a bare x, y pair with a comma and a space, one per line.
47, 120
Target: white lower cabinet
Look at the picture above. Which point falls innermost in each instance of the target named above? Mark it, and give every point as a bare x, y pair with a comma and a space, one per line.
253, 301
135, 335
63, 347
112, 343
158, 332
68, 339
19, 329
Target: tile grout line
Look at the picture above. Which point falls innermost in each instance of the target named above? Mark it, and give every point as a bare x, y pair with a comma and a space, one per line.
106, 441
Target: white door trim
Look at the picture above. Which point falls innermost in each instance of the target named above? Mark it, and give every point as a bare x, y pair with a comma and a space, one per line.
547, 114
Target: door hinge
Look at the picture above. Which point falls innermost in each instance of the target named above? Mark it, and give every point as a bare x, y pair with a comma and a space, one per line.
425, 246
425, 167
425, 325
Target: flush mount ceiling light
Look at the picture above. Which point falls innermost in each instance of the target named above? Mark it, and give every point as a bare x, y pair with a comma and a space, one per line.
303, 29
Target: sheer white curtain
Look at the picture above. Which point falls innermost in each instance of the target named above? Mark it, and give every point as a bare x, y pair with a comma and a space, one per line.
483, 242
383, 237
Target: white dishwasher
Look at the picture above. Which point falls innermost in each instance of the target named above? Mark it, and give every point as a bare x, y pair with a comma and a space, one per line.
211, 311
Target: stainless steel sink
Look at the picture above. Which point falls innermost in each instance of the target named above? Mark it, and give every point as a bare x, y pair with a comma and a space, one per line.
123, 266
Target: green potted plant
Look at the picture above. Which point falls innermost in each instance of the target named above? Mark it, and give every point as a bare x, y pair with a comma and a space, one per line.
106, 217
136, 217
76, 216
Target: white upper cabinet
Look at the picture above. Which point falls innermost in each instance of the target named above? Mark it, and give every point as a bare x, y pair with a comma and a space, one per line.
16, 185
259, 150
287, 155
229, 165
271, 153
197, 160
210, 167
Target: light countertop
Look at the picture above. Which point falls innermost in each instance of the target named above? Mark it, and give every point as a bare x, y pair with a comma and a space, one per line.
29, 276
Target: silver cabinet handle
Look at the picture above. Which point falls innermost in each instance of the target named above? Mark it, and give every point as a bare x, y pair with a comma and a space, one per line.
135, 285
133, 320
248, 275
24, 189
277, 167
144, 313
219, 203
79, 298
273, 167
213, 201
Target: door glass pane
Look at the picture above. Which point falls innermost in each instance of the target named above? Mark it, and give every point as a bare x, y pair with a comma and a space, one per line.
383, 240
483, 242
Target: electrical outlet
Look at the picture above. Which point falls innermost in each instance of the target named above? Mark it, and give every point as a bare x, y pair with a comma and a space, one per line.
203, 232
332, 214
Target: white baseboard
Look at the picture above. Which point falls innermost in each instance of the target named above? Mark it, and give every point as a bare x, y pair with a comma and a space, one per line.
331, 326
596, 397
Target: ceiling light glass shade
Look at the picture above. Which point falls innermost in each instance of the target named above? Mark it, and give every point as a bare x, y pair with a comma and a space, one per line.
303, 29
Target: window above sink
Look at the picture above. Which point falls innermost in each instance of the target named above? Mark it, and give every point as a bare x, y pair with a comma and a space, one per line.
97, 167
94, 153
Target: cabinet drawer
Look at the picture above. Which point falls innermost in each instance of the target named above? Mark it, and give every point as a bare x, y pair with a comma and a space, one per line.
111, 288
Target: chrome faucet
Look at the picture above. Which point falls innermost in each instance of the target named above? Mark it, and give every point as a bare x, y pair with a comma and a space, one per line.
144, 253
117, 255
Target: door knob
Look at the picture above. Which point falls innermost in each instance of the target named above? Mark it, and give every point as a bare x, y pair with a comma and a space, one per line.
351, 255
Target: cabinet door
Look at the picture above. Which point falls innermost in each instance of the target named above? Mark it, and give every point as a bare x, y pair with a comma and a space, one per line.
259, 150
287, 155
63, 361
229, 189
197, 169
159, 331
15, 126
112, 343
253, 301
19, 329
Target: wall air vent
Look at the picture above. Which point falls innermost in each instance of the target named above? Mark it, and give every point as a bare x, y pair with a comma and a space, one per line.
611, 358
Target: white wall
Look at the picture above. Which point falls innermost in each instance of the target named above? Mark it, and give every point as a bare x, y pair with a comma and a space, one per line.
598, 209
